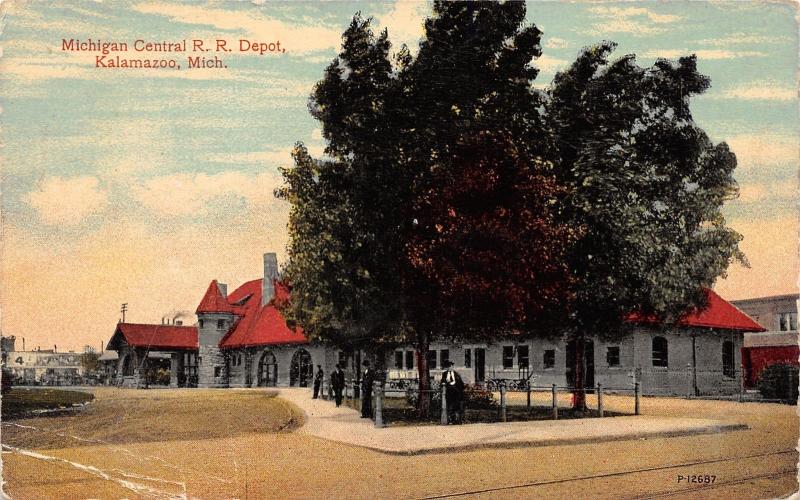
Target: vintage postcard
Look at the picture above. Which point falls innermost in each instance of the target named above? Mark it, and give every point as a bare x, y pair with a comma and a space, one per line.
399, 249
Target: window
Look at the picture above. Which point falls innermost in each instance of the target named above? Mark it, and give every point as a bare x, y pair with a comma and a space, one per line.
522, 356
398, 360
431, 359
549, 358
612, 356
444, 357
508, 356
788, 322
220, 324
409, 360
217, 371
200, 323
728, 359
468, 358
660, 352
342, 360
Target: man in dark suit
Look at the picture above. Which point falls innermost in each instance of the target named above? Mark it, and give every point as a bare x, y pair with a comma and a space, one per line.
318, 380
454, 394
367, 378
337, 384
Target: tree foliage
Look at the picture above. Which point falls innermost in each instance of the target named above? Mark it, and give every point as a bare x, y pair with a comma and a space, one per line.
456, 199
645, 189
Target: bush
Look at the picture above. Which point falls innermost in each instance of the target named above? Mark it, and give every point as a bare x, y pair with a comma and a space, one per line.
779, 381
7, 379
478, 398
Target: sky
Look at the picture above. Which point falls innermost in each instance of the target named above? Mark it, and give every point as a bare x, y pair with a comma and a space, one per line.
140, 186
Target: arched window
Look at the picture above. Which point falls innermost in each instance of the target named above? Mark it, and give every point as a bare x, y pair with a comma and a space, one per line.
660, 352
728, 359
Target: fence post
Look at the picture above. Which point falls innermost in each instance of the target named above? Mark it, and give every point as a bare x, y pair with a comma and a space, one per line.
444, 420
503, 401
600, 399
528, 388
637, 393
378, 405
555, 403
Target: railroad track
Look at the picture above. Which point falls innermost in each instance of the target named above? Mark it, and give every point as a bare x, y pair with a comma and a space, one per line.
535, 484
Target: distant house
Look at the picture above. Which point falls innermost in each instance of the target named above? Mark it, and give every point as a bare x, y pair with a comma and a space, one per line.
778, 343
242, 340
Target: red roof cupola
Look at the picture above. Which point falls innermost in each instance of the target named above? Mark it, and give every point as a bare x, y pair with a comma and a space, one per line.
214, 301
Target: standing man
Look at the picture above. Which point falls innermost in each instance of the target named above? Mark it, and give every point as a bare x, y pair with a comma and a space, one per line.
454, 394
337, 384
366, 390
318, 381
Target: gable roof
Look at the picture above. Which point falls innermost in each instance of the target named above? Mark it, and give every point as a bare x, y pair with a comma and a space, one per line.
260, 325
169, 337
719, 313
213, 301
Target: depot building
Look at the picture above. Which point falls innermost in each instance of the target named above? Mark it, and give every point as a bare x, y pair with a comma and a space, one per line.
241, 339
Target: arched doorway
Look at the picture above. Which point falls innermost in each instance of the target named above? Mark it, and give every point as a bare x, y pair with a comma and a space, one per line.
301, 370
127, 366
267, 370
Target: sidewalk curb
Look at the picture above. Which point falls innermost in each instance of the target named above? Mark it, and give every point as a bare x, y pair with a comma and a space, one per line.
716, 429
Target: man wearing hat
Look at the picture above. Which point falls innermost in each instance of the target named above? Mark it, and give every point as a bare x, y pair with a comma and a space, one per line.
367, 378
454, 393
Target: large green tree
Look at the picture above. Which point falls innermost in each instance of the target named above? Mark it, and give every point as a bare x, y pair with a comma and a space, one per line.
645, 189
438, 180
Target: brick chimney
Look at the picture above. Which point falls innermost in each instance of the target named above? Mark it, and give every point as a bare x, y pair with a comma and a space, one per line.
270, 275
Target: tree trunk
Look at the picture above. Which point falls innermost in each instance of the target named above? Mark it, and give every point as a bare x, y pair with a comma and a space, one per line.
579, 394
424, 400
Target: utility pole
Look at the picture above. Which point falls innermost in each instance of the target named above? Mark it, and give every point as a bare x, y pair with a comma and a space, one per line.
122, 310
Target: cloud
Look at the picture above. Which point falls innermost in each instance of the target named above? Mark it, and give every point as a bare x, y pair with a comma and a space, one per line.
273, 157
298, 39
192, 194
550, 64
406, 23
637, 21
556, 43
702, 53
67, 201
761, 192
758, 91
764, 149
743, 39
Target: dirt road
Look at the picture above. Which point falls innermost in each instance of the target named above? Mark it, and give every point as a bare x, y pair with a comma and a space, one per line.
241, 444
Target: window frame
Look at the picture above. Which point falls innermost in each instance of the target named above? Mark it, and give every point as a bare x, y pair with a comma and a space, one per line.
468, 357
549, 359
527, 357
431, 357
662, 360
398, 359
508, 357
615, 357
728, 359
444, 357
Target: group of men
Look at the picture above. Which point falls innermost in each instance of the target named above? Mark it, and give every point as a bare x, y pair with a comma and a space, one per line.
451, 382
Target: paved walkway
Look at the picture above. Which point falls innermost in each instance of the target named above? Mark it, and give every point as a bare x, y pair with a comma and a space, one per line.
344, 425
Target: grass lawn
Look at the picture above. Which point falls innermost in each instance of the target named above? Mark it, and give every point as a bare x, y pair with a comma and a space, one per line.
19, 402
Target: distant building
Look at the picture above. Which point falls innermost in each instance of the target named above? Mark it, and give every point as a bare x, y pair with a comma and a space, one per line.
45, 367
779, 343
242, 340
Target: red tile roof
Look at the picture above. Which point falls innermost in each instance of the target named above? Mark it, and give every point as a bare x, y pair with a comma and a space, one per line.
259, 325
719, 313
213, 301
168, 337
